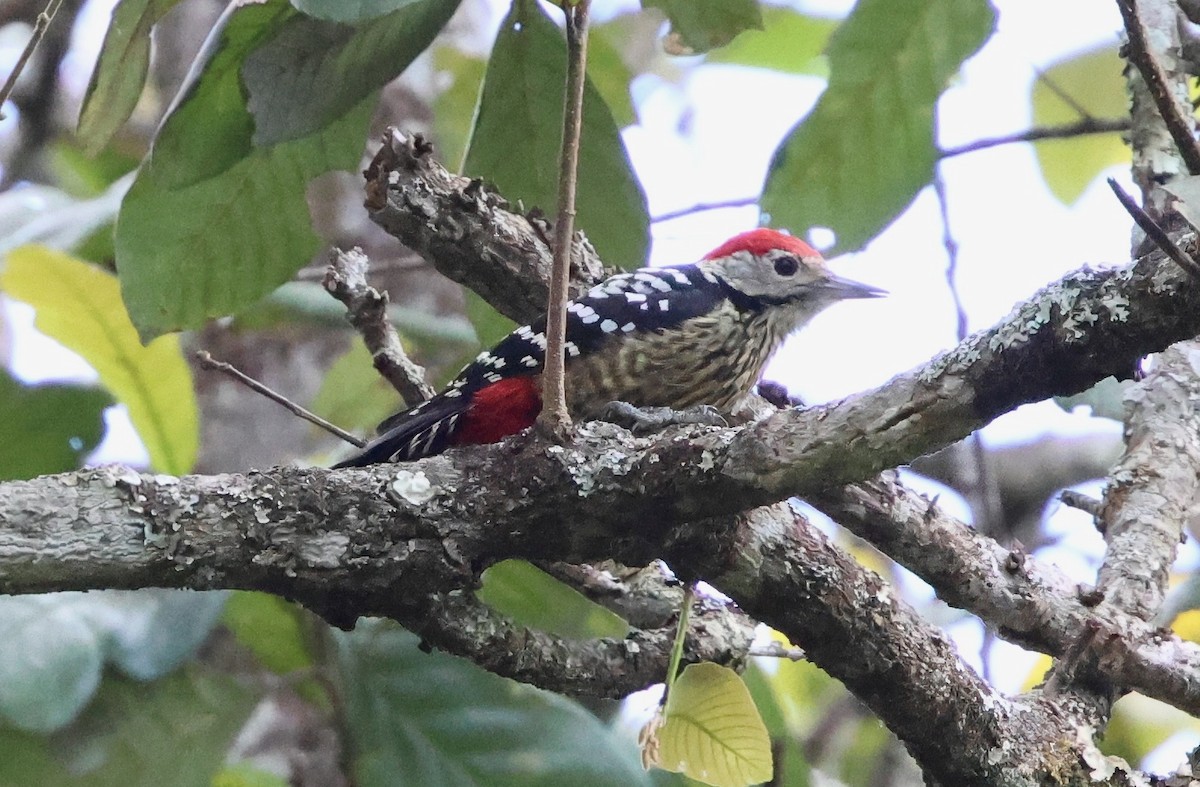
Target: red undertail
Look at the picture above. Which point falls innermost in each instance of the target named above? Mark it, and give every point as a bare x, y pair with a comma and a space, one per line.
499, 410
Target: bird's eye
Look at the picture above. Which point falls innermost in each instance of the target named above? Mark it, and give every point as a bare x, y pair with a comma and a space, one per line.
786, 266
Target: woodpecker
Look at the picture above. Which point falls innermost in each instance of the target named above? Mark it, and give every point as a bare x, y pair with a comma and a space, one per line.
669, 337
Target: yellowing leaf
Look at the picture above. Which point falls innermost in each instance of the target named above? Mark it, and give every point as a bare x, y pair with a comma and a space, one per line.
1038, 673
1091, 82
80, 306
1187, 625
711, 731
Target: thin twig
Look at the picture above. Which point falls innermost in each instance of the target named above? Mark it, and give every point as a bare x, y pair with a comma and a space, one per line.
1085, 503
739, 202
776, 650
1155, 232
554, 418
1079, 128
367, 311
39, 30
983, 494
208, 362
1179, 124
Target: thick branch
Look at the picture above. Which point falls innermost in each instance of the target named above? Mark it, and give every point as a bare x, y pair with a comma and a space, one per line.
1154, 488
1024, 599
469, 232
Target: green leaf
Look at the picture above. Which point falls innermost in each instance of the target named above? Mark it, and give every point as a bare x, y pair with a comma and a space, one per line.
79, 305
50, 662
1093, 82
711, 730
454, 108
120, 74
48, 428
173, 731
350, 10
607, 71
430, 719
312, 72
789, 42
217, 217
700, 25
518, 132
353, 394
246, 775
271, 629
864, 152
533, 598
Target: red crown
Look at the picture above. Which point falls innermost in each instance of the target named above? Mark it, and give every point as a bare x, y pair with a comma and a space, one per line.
760, 241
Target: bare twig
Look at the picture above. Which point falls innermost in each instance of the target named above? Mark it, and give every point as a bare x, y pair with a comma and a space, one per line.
39, 30
1178, 124
1085, 503
1079, 128
776, 650
554, 417
740, 202
208, 362
367, 311
1155, 232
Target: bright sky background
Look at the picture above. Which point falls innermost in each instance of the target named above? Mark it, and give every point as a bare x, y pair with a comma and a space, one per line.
1014, 236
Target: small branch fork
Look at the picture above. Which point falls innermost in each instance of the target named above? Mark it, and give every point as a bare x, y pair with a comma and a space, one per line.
554, 418
1155, 232
366, 309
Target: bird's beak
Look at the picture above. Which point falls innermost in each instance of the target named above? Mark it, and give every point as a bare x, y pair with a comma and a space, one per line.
844, 289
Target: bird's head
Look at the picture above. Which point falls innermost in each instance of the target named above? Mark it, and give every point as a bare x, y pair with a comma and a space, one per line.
772, 268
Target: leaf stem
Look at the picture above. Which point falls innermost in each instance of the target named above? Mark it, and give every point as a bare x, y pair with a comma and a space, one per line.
685, 612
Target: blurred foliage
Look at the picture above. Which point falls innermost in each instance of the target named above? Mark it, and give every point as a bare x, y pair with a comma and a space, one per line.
101, 689
80, 305
533, 598
1088, 85
867, 148
517, 136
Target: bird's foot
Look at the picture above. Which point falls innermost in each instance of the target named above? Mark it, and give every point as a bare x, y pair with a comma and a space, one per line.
646, 420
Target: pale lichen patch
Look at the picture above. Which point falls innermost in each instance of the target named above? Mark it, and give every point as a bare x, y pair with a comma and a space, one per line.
413, 487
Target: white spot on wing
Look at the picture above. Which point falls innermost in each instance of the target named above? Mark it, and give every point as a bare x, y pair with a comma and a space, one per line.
608, 326
664, 304
492, 377
627, 327
635, 297
709, 277
589, 319
530, 361
679, 276
572, 349
539, 340
661, 285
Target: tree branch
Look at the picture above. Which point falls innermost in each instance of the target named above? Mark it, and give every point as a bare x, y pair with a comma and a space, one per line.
367, 311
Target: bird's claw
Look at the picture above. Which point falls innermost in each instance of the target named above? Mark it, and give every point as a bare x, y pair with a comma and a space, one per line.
647, 420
